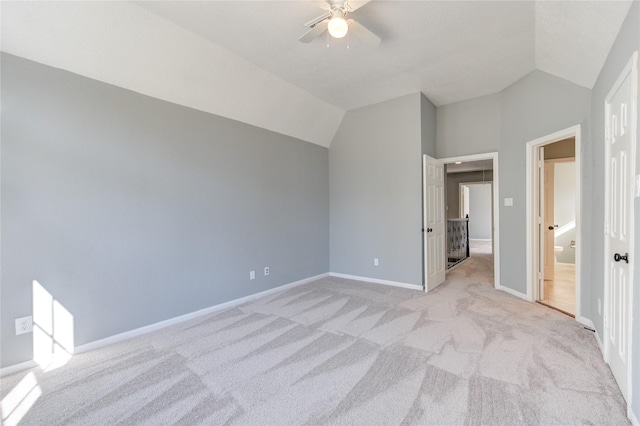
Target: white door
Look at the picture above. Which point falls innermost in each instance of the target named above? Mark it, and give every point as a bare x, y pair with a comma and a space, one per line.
433, 222
464, 200
620, 130
549, 225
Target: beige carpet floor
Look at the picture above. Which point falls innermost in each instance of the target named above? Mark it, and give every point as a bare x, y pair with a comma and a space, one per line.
346, 353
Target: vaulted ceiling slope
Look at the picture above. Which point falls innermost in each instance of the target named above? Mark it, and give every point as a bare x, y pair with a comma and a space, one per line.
242, 59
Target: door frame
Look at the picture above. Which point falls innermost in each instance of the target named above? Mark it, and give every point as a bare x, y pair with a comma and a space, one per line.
630, 68
533, 249
496, 204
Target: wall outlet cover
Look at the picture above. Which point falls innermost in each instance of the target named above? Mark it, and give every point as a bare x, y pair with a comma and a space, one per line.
252, 275
24, 325
266, 271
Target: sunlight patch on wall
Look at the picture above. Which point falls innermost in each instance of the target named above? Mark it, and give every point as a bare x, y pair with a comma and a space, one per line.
53, 332
20, 400
566, 228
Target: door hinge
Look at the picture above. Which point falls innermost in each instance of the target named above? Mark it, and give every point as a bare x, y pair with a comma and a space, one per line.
606, 228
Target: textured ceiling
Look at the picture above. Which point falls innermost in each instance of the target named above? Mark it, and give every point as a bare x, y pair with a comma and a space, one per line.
242, 59
449, 50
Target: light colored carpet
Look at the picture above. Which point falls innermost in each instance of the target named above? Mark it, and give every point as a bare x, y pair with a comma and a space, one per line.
343, 352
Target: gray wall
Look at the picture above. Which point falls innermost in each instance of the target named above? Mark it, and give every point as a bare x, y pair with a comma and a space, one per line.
428, 126
627, 42
537, 105
469, 127
453, 188
376, 192
130, 210
480, 211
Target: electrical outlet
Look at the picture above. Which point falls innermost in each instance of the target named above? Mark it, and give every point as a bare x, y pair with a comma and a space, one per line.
252, 275
266, 271
375, 261
24, 325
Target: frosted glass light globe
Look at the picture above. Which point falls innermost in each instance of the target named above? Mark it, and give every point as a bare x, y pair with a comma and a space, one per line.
338, 27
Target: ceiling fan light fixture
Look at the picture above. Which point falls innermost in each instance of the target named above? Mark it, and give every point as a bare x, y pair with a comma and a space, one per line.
338, 27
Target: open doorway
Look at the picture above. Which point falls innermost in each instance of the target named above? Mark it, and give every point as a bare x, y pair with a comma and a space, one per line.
558, 188
476, 206
553, 221
471, 211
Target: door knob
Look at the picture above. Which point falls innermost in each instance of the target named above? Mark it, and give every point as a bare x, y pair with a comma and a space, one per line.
617, 257
429, 230
552, 227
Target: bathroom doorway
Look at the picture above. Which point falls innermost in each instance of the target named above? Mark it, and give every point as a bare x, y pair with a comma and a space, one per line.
558, 207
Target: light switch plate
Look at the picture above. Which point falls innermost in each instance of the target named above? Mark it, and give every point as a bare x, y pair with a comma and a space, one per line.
637, 187
508, 202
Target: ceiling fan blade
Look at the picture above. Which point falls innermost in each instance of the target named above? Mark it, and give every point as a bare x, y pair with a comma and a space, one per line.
363, 33
356, 4
315, 32
317, 20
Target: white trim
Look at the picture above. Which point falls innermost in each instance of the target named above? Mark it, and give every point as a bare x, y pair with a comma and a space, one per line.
176, 320
513, 292
96, 344
496, 206
586, 322
531, 188
377, 281
16, 368
480, 239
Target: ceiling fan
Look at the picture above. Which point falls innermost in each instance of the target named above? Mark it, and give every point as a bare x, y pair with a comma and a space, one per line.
334, 21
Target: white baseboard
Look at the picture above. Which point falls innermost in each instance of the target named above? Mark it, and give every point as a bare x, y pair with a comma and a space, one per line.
480, 239
16, 368
600, 345
512, 292
376, 281
176, 320
166, 323
632, 417
586, 322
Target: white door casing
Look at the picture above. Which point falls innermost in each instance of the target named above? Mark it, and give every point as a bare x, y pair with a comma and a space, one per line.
540, 224
549, 221
620, 147
433, 222
535, 207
